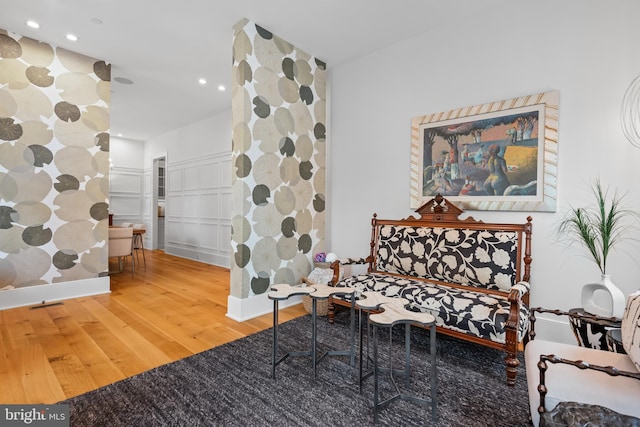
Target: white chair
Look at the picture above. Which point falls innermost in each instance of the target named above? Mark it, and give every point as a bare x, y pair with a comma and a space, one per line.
121, 247
138, 242
560, 373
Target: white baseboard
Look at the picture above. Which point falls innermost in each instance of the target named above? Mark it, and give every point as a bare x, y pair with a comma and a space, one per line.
42, 294
198, 255
248, 308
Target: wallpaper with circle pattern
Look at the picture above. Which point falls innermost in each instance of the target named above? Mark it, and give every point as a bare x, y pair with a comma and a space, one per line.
279, 123
54, 163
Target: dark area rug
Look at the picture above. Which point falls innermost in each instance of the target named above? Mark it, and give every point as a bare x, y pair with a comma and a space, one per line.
231, 385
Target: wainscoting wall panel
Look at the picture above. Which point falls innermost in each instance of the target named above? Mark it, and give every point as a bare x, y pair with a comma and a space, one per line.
209, 204
126, 202
210, 238
190, 206
210, 175
198, 209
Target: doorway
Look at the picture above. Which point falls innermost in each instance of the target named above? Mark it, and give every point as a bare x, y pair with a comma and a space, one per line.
159, 200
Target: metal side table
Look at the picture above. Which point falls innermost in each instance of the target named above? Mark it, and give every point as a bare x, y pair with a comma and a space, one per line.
281, 292
392, 313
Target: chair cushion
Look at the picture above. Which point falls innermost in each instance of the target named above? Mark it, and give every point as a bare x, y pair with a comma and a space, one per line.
567, 383
574, 414
631, 328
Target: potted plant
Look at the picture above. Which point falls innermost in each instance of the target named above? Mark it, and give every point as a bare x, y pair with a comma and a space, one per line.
600, 229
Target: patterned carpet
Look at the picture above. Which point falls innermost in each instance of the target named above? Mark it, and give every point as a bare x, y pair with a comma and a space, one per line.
231, 386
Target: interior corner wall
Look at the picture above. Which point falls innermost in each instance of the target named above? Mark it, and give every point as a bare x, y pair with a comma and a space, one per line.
585, 49
54, 167
278, 156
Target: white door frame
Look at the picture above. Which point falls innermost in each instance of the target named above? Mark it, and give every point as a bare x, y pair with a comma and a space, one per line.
154, 195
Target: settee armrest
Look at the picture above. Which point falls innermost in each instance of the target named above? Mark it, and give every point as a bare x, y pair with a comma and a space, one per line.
519, 290
592, 318
347, 261
335, 266
580, 364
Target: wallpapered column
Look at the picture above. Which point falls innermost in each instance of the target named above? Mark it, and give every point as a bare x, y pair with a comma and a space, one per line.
279, 116
54, 164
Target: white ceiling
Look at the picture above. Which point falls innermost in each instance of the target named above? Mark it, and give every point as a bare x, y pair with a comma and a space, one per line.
165, 46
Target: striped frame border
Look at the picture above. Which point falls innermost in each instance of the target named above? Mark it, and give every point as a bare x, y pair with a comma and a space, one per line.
550, 165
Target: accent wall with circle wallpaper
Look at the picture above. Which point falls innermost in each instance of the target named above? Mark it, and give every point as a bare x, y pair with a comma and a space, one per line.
279, 125
54, 164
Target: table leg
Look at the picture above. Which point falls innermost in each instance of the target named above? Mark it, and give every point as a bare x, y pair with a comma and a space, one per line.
375, 374
361, 340
407, 353
144, 258
313, 335
353, 331
434, 376
275, 339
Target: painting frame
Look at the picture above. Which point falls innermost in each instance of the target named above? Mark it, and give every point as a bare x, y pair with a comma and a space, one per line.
476, 183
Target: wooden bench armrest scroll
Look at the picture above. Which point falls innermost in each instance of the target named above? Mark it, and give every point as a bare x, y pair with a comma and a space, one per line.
335, 266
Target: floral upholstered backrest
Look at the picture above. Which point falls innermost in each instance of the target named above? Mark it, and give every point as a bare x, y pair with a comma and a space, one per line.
481, 258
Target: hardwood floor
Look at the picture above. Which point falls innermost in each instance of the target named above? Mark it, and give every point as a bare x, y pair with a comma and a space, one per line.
171, 309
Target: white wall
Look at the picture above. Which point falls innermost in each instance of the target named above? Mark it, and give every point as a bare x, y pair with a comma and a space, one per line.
126, 153
587, 50
126, 180
198, 194
211, 135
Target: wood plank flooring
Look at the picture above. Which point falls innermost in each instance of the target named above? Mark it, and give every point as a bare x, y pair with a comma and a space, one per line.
169, 310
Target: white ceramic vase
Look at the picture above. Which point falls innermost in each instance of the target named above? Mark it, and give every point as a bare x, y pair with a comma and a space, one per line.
593, 294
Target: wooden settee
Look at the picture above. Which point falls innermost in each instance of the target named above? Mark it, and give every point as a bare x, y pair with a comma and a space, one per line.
473, 277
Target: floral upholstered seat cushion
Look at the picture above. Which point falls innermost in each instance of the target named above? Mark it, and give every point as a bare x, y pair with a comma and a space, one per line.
480, 258
473, 313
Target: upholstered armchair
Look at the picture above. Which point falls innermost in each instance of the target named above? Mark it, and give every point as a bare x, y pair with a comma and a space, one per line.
600, 380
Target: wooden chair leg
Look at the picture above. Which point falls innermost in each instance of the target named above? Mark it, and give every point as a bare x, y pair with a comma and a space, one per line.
512, 363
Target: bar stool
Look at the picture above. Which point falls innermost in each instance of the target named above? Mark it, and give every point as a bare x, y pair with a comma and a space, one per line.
138, 241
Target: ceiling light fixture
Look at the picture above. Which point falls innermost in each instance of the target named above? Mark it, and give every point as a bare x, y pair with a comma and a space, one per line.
72, 37
222, 88
33, 24
202, 81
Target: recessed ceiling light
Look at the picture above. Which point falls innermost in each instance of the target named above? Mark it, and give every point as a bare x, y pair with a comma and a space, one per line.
72, 37
123, 80
222, 88
119, 134
33, 24
202, 81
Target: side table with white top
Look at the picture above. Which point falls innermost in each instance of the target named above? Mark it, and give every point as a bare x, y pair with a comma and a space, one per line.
393, 312
317, 292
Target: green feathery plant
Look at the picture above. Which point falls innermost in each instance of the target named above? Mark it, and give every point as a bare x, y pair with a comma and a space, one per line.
600, 228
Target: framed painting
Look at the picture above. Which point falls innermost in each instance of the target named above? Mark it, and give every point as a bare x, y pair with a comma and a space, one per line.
496, 156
